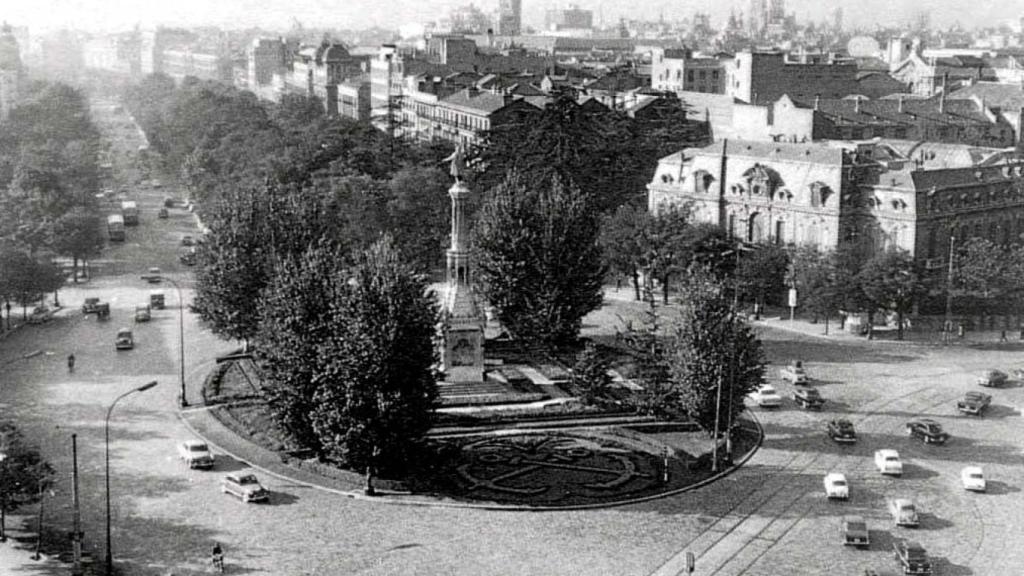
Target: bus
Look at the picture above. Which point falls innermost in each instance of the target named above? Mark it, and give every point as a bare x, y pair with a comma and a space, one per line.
130, 211
115, 227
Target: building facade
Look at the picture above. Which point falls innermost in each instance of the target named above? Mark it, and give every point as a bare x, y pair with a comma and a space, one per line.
11, 70
884, 194
677, 70
510, 17
759, 77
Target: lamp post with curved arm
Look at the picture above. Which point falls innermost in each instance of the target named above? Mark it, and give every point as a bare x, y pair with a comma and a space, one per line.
182, 401
106, 428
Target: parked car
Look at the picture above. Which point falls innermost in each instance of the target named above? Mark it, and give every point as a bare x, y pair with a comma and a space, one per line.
903, 512
188, 258
188, 240
153, 275
766, 397
888, 462
142, 313
103, 311
836, 486
841, 430
40, 314
162, 214
992, 378
90, 305
928, 430
912, 558
855, 531
156, 299
124, 340
973, 403
196, 454
244, 485
973, 478
794, 373
808, 398
169, 202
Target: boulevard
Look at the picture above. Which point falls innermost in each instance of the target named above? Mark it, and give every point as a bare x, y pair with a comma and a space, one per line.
770, 517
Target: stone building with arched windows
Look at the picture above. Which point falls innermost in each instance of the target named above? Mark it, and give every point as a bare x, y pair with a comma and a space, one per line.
882, 194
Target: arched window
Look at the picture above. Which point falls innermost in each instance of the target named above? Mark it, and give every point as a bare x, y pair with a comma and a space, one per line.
755, 228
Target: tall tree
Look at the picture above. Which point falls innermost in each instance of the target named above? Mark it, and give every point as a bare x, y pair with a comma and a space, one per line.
892, 280
621, 242
538, 261
714, 359
79, 234
375, 385
667, 246
23, 472
981, 273
761, 273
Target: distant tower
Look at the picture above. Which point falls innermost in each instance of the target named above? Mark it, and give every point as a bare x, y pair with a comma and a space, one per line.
510, 17
10, 70
462, 357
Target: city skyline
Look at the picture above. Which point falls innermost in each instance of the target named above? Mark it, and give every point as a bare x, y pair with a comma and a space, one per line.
109, 15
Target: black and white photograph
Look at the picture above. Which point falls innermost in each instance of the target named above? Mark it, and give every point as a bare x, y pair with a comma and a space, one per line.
511, 288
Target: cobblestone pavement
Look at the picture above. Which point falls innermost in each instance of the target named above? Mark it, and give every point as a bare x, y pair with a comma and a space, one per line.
769, 518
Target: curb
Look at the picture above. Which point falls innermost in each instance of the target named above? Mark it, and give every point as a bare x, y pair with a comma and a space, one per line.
382, 496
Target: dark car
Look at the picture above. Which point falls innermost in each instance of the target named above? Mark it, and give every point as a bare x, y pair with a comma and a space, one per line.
992, 378
973, 403
842, 431
912, 558
90, 305
808, 398
188, 258
855, 531
929, 431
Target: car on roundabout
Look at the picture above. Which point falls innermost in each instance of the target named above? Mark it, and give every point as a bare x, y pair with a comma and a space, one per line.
188, 240
973, 403
245, 486
888, 462
196, 454
808, 398
992, 378
973, 479
855, 532
766, 397
90, 305
927, 430
912, 558
794, 373
836, 487
841, 430
142, 313
153, 275
124, 340
40, 314
903, 512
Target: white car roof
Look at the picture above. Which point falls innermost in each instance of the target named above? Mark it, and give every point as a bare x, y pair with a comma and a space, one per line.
887, 452
902, 502
972, 470
193, 442
835, 475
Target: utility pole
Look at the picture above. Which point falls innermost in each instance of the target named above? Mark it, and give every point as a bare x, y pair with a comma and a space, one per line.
948, 326
76, 525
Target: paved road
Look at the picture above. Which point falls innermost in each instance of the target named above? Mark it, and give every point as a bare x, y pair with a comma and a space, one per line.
770, 518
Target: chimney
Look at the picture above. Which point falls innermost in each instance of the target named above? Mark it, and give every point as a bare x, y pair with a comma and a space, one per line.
899, 103
942, 98
817, 101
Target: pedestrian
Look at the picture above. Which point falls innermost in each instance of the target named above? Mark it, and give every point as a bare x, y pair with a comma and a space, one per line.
71, 363
1002, 336
960, 330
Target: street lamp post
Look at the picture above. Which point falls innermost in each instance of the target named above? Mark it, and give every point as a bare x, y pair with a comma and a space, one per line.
3, 498
182, 401
948, 326
106, 428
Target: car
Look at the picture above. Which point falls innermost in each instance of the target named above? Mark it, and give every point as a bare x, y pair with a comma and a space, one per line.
927, 430
244, 485
142, 313
903, 512
888, 462
855, 531
156, 183
124, 340
196, 454
992, 378
912, 558
188, 258
808, 398
90, 305
973, 479
766, 397
973, 403
836, 486
153, 275
40, 314
188, 240
841, 430
169, 202
157, 299
162, 213
794, 373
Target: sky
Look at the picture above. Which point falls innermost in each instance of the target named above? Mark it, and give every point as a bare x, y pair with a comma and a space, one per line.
114, 15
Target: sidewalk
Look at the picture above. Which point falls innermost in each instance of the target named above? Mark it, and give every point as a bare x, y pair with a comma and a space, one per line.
16, 554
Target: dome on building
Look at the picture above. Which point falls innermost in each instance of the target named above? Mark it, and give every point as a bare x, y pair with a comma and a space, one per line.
863, 47
10, 55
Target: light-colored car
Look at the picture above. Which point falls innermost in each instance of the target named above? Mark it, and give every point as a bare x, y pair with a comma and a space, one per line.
855, 531
40, 314
992, 378
142, 313
794, 373
888, 462
836, 486
196, 454
766, 397
245, 485
903, 512
973, 478
153, 275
